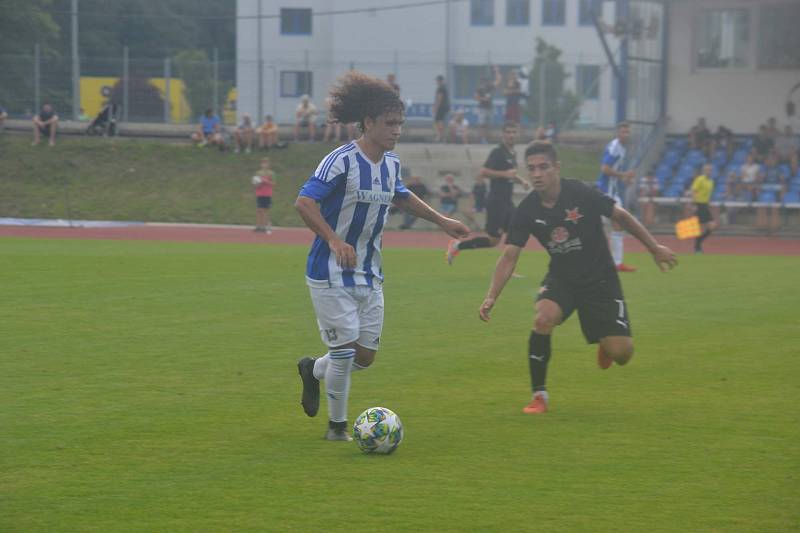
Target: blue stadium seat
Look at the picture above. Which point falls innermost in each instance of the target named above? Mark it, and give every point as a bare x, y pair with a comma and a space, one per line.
768, 196
720, 158
792, 197
739, 156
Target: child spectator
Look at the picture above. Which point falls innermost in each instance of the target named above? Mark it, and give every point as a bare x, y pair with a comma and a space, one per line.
263, 183
244, 135
459, 128
267, 134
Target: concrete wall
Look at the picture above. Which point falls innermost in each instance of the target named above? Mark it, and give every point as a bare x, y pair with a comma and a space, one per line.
742, 99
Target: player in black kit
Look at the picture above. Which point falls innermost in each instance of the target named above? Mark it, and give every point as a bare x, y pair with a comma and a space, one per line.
565, 216
501, 170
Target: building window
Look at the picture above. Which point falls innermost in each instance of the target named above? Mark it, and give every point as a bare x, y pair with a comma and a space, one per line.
295, 83
482, 12
778, 36
295, 21
518, 12
587, 81
553, 12
585, 9
723, 38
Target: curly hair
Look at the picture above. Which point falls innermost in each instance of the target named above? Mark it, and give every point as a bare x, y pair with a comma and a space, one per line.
356, 96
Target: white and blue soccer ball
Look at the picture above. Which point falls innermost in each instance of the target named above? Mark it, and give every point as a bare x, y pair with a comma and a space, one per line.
378, 430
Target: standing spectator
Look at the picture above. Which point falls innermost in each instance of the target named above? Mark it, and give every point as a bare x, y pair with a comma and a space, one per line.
565, 216
612, 182
449, 193
459, 128
305, 117
501, 169
513, 94
484, 96
416, 186
648, 189
267, 133
209, 131
700, 137
441, 107
244, 135
724, 140
478, 202
772, 128
45, 123
702, 187
263, 182
762, 144
392, 81
786, 147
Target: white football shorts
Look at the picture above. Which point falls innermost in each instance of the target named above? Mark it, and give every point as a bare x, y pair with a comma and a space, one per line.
349, 314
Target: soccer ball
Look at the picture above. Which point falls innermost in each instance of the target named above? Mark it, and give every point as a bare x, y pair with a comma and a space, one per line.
378, 430
256, 180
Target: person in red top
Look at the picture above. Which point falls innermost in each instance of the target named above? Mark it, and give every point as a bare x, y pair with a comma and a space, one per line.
263, 183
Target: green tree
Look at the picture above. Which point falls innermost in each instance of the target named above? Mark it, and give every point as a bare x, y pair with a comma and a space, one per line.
559, 103
23, 24
195, 69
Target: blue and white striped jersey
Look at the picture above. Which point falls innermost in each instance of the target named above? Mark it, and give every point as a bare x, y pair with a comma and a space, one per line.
613, 156
354, 196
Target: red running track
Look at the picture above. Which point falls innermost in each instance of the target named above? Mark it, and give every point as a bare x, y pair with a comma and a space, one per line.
411, 239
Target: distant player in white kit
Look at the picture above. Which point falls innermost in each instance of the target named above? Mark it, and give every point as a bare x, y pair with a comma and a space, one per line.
612, 182
345, 202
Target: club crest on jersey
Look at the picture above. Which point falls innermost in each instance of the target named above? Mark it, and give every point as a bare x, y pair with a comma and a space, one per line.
559, 235
573, 215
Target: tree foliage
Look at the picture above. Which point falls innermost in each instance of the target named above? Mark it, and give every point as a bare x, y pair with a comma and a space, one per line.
559, 103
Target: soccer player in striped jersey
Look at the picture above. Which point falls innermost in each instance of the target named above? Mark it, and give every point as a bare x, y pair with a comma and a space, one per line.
346, 202
612, 182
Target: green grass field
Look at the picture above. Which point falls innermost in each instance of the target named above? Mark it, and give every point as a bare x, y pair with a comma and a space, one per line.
162, 181
152, 387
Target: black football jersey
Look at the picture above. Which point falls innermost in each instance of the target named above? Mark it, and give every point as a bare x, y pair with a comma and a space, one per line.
571, 231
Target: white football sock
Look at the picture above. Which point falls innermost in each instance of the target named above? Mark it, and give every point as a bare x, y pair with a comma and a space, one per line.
337, 382
542, 394
321, 365
617, 239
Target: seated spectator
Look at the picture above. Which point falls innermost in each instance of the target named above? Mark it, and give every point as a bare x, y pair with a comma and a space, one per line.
459, 128
724, 140
267, 133
742, 184
45, 123
648, 189
448, 195
305, 117
551, 132
333, 129
83, 117
700, 137
772, 181
209, 131
416, 186
3, 117
786, 148
244, 135
762, 144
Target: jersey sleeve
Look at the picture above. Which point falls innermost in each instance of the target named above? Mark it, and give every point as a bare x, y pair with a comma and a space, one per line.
521, 223
326, 178
400, 190
610, 156
493, 160
598, 201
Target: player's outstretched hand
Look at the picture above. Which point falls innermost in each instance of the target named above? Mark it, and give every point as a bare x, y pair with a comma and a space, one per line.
485, 309
665, 258
455, 228
345, 254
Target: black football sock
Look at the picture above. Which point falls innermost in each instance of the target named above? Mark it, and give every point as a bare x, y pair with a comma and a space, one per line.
538, 358
698, 242
475, 242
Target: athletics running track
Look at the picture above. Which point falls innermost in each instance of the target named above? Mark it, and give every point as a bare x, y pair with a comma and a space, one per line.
392, 239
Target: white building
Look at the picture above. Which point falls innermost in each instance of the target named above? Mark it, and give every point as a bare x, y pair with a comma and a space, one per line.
306, 44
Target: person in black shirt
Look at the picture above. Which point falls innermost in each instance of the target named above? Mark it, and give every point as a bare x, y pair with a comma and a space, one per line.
45, 123
565, 216
441, 107
501, 169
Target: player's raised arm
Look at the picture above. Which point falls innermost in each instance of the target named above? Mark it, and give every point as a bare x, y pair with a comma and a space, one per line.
663, 256
505, 267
